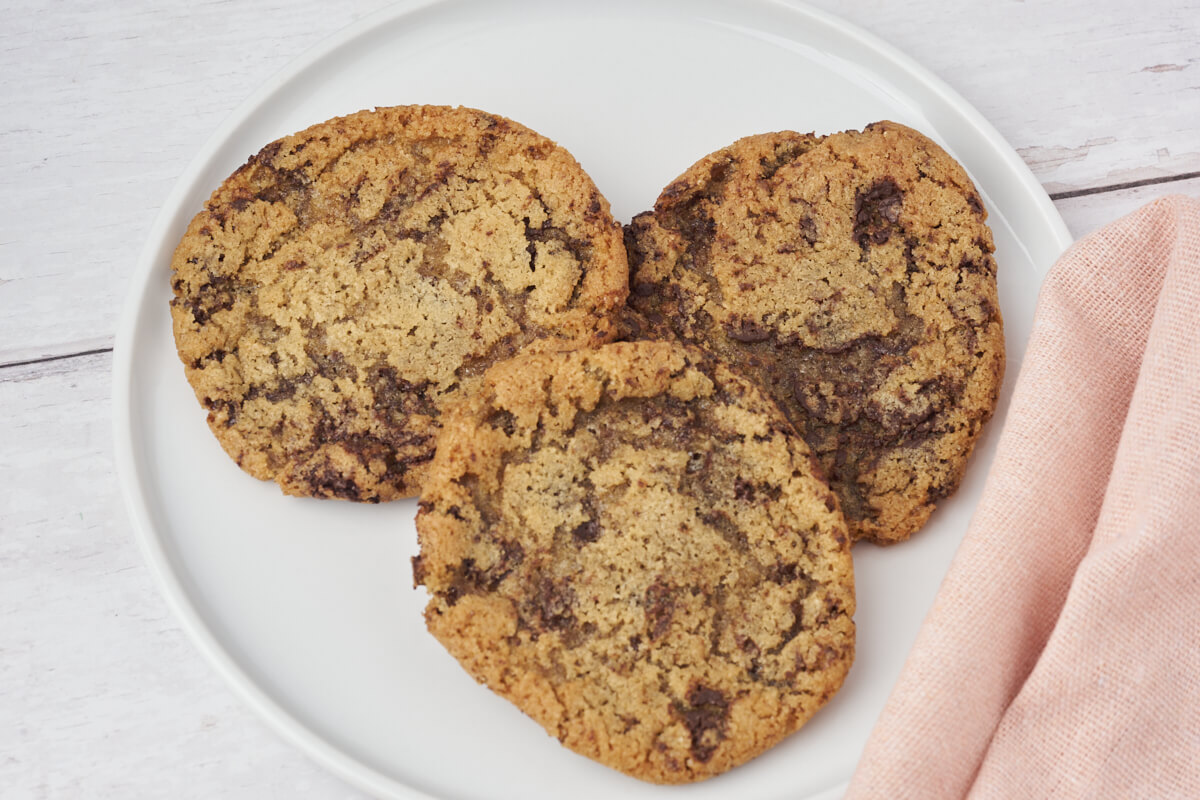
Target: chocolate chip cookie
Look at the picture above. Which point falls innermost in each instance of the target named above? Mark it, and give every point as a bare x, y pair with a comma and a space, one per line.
630, 545
851, 276
349, 281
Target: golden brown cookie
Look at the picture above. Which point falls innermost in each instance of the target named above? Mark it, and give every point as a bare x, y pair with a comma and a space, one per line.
631, 546
851, 276
350, 280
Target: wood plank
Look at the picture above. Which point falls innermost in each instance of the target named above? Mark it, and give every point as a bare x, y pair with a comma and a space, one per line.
1089, 93
1085, 213
102, 693
106, 104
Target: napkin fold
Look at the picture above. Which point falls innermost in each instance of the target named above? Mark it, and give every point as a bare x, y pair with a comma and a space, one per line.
1061, 657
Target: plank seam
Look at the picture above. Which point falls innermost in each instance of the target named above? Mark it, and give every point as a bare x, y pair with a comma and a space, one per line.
46, 359
1117, 187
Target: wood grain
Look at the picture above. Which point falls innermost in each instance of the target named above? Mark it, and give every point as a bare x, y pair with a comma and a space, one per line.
1090, 94
101, 693
1085, 213
104, 106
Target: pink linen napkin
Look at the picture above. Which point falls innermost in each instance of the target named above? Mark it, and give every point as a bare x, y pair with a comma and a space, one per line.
1062, 654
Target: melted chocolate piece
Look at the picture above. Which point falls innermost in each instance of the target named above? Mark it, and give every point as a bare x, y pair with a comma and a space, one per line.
705, 715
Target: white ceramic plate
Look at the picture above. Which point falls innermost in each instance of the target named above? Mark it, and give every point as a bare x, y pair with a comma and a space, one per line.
307, 607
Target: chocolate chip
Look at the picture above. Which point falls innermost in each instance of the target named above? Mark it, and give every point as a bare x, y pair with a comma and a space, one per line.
228, 406
394, 397
440, 177
629, 326
397, 466
331, 483
808, 229
674, 191
720, 171
797, 609
331, 365
284, 390
241, 199
976, 267
705, 716
783, 573
219, 294
746, 331
579, 249
215, 355
511, 556
720, 521
658, 606
876, 211
910, 259
266, 156
469, 578
555, 600
503, 420
593, 209
282, 185
531, 249
939, 491
743, 490
699, 230
587, 532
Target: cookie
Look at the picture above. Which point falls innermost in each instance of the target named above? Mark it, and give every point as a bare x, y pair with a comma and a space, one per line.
630, 545
852, 277
349, 281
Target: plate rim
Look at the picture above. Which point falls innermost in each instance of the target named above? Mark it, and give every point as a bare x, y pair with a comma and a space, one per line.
149, 541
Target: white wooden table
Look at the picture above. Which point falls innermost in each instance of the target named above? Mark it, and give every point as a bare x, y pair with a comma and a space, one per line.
101, 108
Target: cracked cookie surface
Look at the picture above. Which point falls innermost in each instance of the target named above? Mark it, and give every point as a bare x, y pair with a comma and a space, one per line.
349, 281
630, 545
851, 276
